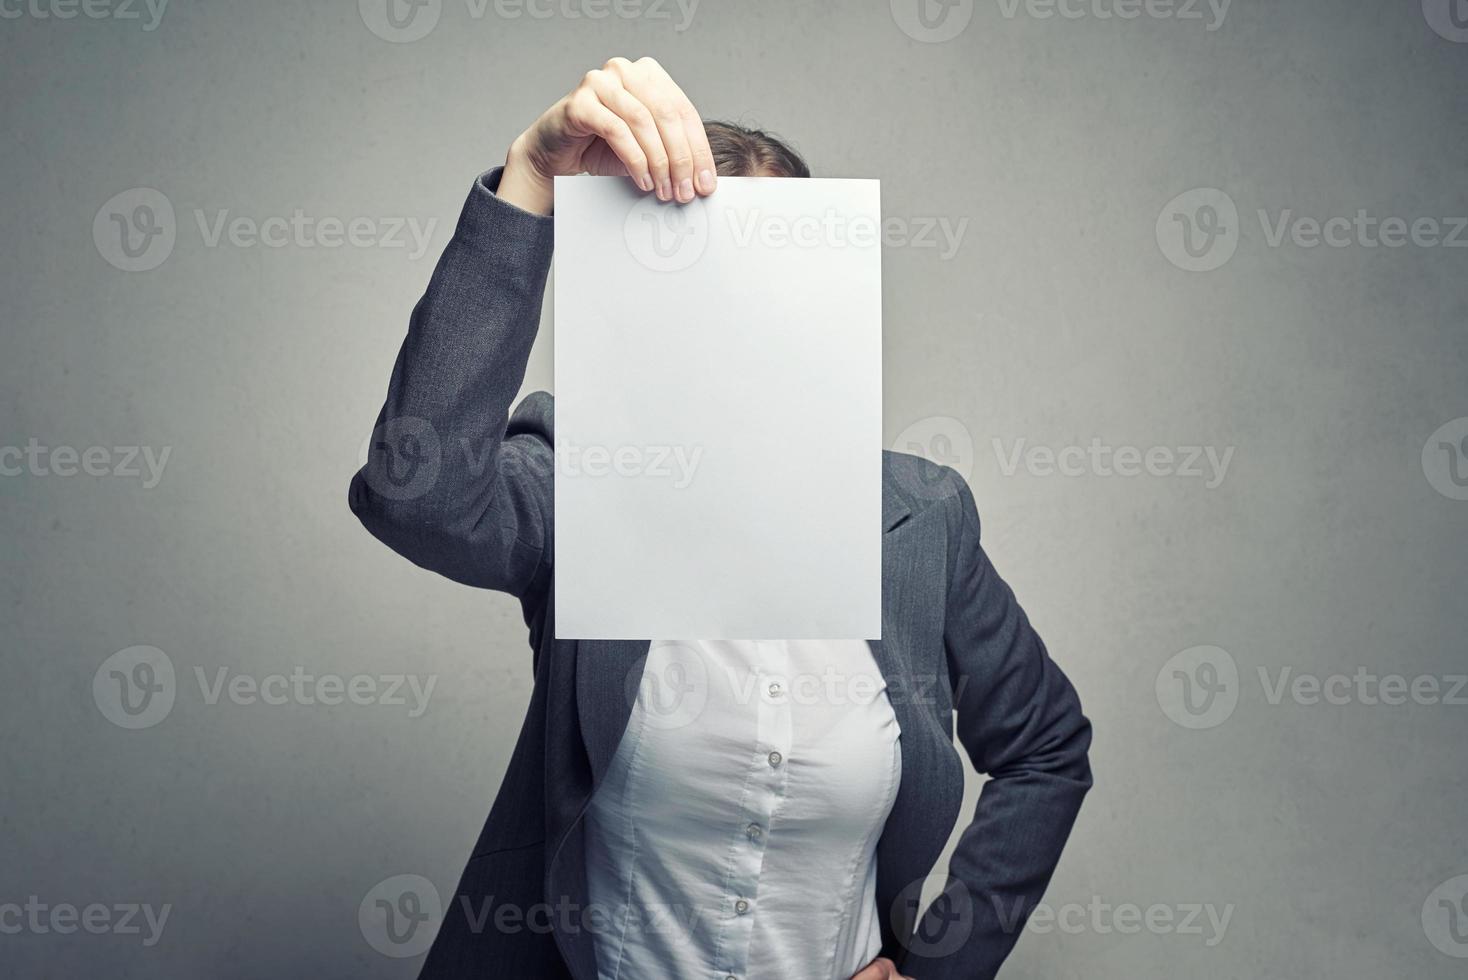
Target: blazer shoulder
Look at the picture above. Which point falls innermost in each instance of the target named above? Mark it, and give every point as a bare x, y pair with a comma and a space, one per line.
917, 484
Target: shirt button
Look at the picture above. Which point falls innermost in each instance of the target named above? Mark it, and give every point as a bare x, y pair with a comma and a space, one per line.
775, 759
755, 831
775, 690
741, 906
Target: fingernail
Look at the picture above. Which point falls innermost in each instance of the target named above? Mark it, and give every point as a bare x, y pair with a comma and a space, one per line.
706, 181
645, 181
685, 189
665, 190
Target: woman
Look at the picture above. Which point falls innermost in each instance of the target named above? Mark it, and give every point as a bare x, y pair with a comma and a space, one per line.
727, 818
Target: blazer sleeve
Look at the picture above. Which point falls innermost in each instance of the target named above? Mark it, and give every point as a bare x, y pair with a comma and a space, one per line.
449, 483
1020, 721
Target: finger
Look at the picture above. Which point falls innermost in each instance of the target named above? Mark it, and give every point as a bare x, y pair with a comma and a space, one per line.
670, 108
638, 119
877, 969
623, 74
586, 114
705, 173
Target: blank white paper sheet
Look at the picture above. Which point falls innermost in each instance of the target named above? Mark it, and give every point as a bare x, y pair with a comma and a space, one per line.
718, 411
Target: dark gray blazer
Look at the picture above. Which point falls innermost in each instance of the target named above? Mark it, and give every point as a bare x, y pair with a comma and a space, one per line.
459, 485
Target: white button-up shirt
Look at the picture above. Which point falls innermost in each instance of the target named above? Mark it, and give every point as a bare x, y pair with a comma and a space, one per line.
734, 834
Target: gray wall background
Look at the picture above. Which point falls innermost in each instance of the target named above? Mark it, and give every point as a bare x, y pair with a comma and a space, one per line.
1330, 834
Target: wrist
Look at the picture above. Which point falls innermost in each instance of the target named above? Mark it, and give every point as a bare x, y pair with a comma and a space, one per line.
522, 184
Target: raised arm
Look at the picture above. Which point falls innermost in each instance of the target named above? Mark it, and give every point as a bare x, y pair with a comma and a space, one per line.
452, 481
1021, 723
445, 485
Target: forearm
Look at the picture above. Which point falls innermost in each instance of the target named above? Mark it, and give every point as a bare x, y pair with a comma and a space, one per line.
470, 335
1000, 869
449, 397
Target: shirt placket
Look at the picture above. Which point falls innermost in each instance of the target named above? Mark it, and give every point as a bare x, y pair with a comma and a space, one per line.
773, 736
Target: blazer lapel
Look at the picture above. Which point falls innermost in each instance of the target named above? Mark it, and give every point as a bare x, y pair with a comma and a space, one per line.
931, 791
608, 673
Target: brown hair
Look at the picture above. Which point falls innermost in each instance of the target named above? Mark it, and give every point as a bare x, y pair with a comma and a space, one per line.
740, 151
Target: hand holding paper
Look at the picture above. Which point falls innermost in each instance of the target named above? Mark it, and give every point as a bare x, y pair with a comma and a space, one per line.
625, 118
